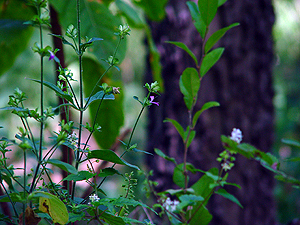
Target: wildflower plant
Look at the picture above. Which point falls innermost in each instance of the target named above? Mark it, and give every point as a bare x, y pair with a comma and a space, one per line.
35, 196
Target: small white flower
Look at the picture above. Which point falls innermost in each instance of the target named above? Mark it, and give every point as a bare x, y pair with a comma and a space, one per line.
225, 166
94, 198
170, 205
236, 135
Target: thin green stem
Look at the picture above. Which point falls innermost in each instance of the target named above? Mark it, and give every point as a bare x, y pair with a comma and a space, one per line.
12, 204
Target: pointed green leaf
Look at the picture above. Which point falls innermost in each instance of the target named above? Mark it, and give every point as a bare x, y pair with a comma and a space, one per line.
206, 106
215, 37
108, 172
99, 96
221, 2
81, 175
225, 194
210, 60
161, 154
185, 48
130, 14
58, 91
110, 156
62, 165
208, 10
186, 200
178, 127
191, 138
189, 84
198, 21
202, 216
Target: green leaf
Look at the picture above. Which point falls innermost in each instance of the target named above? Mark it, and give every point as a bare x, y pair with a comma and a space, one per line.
111, 115
62, 165
52, 205
98, 22
81, 175
130, 14
208, 10
65, 41
58, 91
15, 197
178, 176
189, 86
202, 216
186, 200
98, 96
198, 21
291, 142
206, 106
108, 172
185, 48
210, 60
15, 35
110, 156
221, 2
191, 138
155, 10
225, 194
178, 127
111, 219
161, 154
215, 37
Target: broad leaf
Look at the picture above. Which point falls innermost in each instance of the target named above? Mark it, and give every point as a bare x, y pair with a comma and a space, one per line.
221, 2
108, 172
186, 200
210, 60
97, 21
206, 106
111, 116
52, 205
185, 48
178, 176
62, 165
208, 10
202, 216
215, 37
198, 21
189, 84
15, 35
131, 14
110, 156
99, 96
155, 10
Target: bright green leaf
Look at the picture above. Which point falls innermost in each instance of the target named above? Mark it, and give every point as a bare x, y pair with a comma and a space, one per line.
110, 156
198, 21
221, 2
62, 165
189, 86
208, 10
215, 37
225, 194
210, 60
186, 200
81, 175
185, 48
202, 216
291, 142
206, 106
108, 172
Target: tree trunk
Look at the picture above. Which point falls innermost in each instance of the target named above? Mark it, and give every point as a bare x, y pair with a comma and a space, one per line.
241, 82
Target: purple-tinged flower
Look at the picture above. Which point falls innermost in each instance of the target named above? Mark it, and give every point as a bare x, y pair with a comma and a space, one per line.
152, 102
236, 135
51, 55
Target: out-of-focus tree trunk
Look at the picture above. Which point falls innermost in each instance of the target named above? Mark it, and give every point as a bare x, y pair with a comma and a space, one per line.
242, 83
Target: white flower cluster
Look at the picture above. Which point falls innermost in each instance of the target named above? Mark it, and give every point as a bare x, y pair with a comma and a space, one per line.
236, 135
170, 205
94, 198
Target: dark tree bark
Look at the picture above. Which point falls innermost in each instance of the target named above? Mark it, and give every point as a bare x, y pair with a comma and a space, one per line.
242, 83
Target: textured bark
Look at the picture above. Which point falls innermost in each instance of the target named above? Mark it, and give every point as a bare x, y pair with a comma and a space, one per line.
242, 83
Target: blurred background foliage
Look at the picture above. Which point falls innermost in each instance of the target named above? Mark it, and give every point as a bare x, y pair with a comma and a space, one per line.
287, 101
19, 62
